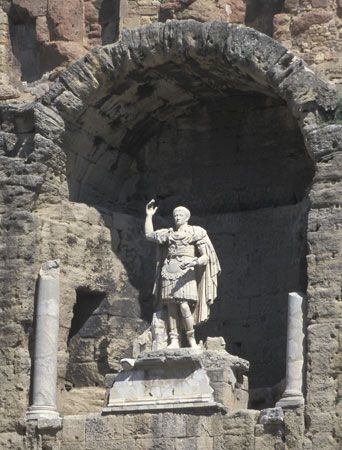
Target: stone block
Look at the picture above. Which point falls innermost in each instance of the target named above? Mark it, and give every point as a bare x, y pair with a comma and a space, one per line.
216, 344
69, 104
223, 393
7, 92
118, 444
81, 350
324, 302
11, 441
325, 141
323, 219
205, 442
199, 425
294, 427
73, 429
189, 443
321, 422
319, 3
236, 423
47, 122
66, 20
79, 401
238, 441
304, 21
323, 244
34, 8
85, 374
139, 425
74, 445
324, 195
60, 53
291, 6
10, 335
160, 380
281, 26
99, 428
271, 415
323, 345
324, 441
170, 425
321, 392
269, 438
154, 444
42, 29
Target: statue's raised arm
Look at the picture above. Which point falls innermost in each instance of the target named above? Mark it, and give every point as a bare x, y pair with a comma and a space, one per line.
151, 209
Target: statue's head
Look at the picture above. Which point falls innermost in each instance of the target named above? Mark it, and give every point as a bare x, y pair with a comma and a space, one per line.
181, 215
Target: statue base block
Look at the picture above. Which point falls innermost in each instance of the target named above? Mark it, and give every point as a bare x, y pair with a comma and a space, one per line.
178, 379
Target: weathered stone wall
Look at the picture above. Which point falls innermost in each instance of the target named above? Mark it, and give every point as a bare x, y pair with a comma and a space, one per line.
39, 202
48, 36
312, 28
169, 431
323, 376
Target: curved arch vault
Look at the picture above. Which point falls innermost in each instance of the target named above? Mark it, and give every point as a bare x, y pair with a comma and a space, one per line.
211, 116
215, 116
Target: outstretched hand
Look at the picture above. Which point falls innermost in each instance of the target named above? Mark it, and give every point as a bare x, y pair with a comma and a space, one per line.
151, 209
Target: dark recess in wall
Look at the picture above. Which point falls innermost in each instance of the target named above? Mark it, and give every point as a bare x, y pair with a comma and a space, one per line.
86, 303
25, 46
260, 13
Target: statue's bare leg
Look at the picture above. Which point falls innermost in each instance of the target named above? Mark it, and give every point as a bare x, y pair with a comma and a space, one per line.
188, 324
173, 331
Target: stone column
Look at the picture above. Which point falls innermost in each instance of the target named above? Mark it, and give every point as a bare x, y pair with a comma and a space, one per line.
293, 395
46, 344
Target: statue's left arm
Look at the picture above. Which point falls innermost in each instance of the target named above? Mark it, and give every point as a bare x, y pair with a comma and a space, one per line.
207, 286
203, 259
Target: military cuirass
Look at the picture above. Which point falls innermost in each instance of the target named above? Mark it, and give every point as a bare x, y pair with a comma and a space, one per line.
180, 251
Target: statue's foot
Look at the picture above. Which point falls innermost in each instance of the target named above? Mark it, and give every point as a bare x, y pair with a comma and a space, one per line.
193, 343
174, 339
191, 339
174, 344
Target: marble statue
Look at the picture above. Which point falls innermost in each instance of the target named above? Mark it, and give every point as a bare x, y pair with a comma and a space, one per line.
186, 273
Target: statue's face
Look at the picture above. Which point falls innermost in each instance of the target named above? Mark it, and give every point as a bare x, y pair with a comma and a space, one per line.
180, 217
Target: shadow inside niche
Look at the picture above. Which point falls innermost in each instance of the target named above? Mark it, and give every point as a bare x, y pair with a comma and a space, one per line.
86, 303
240, 165
109, 18
260, 14
25, 45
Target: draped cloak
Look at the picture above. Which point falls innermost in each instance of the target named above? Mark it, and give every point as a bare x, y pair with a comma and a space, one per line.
206, 276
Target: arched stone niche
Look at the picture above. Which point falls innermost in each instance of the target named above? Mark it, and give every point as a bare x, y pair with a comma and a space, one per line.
217, 117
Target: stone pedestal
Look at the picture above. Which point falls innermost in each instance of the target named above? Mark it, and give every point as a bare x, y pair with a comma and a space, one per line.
293, 395
177, 379
46, 345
